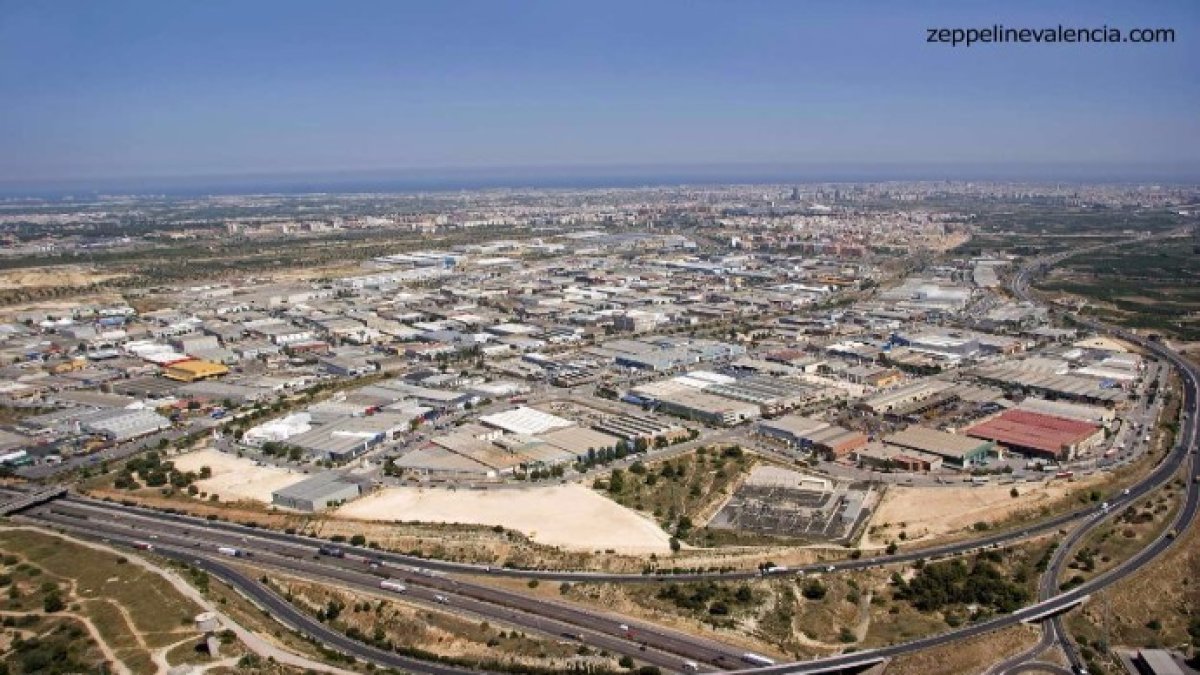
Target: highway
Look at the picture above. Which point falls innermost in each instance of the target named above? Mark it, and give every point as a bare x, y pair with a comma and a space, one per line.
1178, 457
643, 641
665, 648
1054, 632
283, 612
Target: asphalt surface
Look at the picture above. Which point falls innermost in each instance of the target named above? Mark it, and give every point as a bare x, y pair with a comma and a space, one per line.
1054, 631
1179, 456
644, 642
283, 612
709, 651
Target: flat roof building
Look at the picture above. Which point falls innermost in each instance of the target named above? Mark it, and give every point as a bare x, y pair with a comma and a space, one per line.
1092, 414
194, 370
882, 456
522, 420
697, 405
122, 424
791, 429
955, 450
317, 493
578, 440
1040, 435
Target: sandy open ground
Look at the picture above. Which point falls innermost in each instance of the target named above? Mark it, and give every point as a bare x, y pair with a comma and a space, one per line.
932, 511
570, 516
235, 478
62, 275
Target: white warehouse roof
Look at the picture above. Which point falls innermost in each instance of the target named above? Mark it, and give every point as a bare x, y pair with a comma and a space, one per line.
528, 421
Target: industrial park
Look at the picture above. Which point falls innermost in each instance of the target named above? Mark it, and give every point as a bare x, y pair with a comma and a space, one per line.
742, 398
542, 338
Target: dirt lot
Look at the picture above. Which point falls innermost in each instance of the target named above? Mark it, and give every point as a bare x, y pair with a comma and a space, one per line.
66, 275
931, 512
235, 478
570, 516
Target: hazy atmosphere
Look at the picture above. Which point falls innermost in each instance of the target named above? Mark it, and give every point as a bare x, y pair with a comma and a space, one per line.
160, 89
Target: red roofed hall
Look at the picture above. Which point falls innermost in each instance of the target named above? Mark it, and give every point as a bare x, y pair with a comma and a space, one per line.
1039, 435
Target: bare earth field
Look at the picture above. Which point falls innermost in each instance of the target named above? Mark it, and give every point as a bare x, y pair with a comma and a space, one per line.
930, 512
570, 516
57, 307
67, 275
236, 478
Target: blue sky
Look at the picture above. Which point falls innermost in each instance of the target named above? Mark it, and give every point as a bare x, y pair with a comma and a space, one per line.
215, 87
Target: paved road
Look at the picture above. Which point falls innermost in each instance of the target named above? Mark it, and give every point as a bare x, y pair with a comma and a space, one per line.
1058, 603
1180, 456
643, 641
1054, 631
284, 612
992, 540
1040, 667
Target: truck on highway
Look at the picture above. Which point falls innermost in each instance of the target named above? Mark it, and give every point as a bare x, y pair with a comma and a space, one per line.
143, 546
1065, 474
331, 551
757, 659
775, 569
393, 586
232, 552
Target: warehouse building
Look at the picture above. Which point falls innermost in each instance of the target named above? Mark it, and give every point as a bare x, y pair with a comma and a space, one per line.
633, 427
1092, 414
435, 461
1038, 435
957, 451
123, 424
666, 353
1028, 375
894, 458
578, 440
194, 370
697, 405
477, 443
527, 421
904, 397
345, 438
835, 441
947, 345
793, 430
317, 493
770, 394
1156, 662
